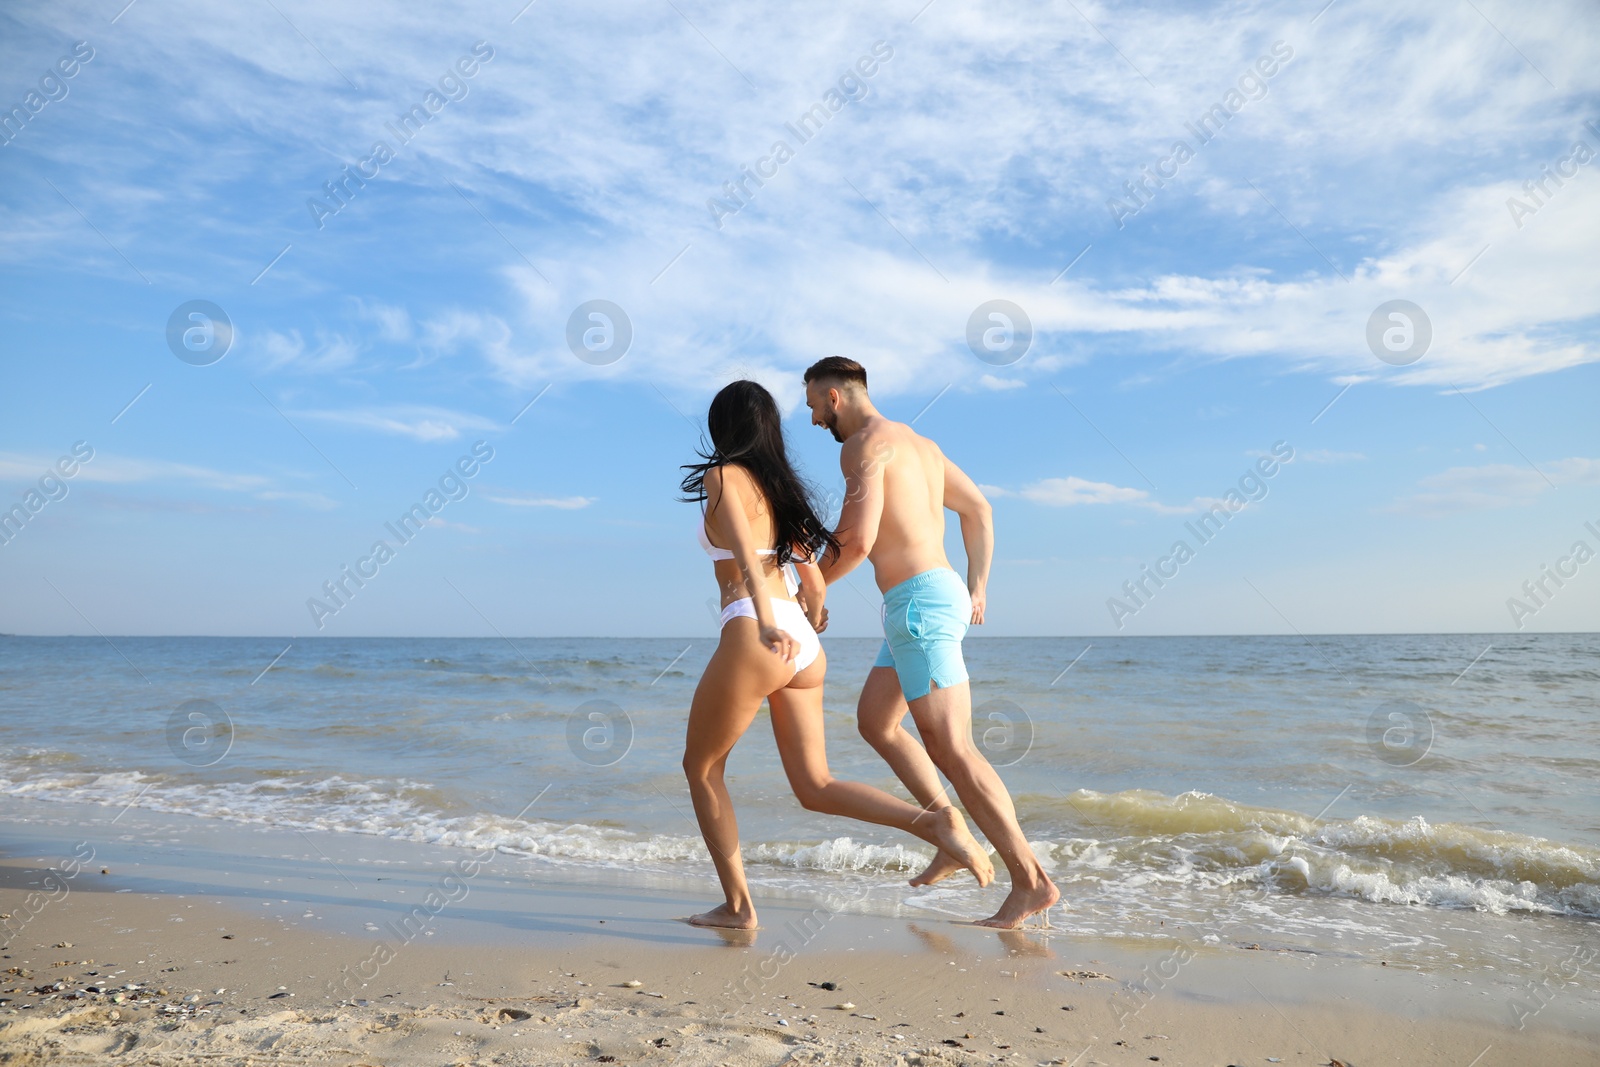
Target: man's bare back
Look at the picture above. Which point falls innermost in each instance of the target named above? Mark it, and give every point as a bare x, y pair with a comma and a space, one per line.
898, 485
910, 534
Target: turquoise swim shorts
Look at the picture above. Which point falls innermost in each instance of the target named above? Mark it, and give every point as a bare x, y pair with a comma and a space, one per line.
924, 619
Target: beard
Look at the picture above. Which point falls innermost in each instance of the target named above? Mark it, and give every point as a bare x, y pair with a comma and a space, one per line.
830, 422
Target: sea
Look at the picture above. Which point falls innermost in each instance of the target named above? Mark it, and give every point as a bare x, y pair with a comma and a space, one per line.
1427, 801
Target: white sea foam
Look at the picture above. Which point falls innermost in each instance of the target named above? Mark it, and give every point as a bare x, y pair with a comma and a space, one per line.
1145, 843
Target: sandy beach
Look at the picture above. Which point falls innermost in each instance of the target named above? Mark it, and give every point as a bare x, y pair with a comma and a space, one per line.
157, 950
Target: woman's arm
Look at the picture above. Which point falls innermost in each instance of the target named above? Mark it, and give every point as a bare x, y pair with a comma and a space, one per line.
728, 498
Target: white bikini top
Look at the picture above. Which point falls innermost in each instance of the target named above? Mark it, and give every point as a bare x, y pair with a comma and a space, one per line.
789, 580
723, 553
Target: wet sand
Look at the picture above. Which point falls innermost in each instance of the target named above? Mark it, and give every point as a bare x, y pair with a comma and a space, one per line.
233, 947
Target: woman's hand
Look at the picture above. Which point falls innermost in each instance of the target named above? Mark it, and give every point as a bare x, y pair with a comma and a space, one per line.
780, 642
818, 619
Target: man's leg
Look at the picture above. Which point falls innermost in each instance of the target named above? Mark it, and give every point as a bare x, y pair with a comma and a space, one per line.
944, 719
880, 716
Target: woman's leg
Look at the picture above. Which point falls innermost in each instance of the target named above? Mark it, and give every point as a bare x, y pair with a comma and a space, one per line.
740, 673
797, 724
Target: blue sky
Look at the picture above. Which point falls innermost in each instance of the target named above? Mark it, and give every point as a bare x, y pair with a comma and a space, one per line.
587, 157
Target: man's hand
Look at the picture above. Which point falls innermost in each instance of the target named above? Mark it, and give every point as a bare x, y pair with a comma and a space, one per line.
979, 602
816, 614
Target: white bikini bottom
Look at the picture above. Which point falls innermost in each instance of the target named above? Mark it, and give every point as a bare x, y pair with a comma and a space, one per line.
787, 616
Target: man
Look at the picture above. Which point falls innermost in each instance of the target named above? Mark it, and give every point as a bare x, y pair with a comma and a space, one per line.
897, 485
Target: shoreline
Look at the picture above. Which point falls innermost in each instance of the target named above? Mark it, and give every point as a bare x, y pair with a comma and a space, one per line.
352, 961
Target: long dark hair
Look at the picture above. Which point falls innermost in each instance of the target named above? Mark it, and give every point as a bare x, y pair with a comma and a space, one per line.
746, 429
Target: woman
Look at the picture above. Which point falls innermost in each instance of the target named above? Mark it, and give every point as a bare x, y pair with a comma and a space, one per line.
756, 520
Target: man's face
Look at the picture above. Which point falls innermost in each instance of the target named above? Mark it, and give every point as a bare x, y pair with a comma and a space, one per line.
821, 400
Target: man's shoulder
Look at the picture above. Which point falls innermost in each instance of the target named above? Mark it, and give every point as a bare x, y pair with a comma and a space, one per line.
874, 439
902, 434
885, 429
885, 443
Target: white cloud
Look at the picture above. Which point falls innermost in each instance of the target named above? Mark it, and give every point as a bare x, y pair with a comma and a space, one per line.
1073, 491
1070, 491
419, 423
564, 503
276, 351
1494, 485
1010, 123
393, 322
110, 469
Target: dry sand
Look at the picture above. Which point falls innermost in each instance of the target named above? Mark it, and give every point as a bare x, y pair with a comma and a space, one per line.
98, 976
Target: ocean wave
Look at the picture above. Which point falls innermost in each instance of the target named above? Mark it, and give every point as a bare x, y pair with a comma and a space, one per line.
409, 810
1135, 842
1211, 842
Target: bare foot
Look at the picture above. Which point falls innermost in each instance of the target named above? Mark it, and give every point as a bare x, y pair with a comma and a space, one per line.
957, 843
1022, 902
942, 867
726, 918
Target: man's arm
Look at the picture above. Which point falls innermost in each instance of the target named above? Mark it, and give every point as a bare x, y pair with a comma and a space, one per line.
862, 463
813, 591
962, 496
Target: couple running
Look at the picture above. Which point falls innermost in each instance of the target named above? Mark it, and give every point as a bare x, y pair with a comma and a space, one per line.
757, 518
